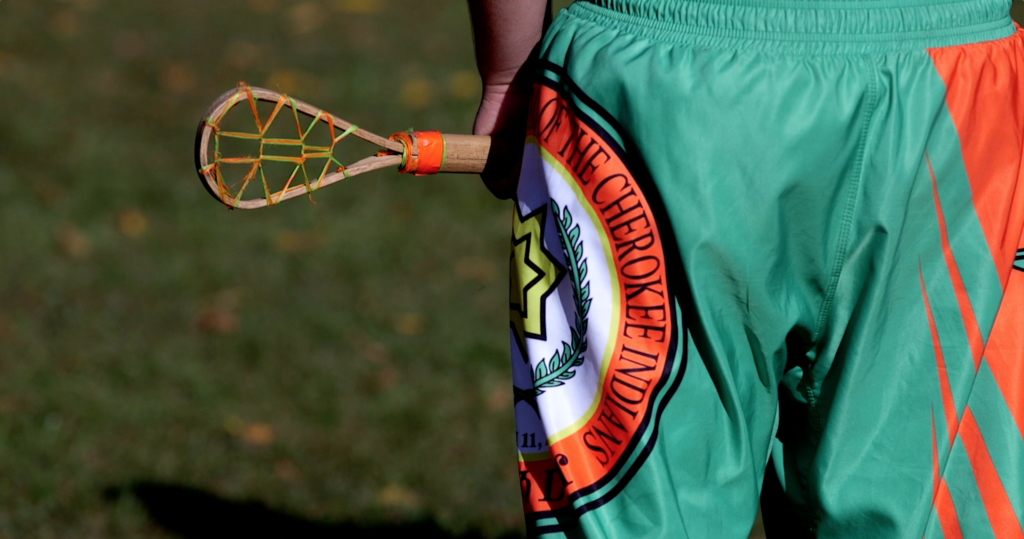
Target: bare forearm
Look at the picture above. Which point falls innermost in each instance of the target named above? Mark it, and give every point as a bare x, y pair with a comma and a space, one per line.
505, 32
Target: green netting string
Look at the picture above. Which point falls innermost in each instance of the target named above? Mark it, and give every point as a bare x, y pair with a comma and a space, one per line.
307, 151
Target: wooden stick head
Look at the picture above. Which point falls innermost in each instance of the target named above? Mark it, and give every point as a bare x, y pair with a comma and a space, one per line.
292, 154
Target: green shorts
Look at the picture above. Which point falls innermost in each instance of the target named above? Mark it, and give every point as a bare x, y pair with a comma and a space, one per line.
772, 243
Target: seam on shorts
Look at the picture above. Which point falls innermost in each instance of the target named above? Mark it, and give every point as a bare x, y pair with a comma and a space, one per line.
844, 233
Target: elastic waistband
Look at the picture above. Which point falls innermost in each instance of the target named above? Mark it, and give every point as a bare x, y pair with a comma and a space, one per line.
808, 26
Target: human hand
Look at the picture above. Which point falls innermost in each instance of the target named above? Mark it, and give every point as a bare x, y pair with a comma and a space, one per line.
502, 116
505, 37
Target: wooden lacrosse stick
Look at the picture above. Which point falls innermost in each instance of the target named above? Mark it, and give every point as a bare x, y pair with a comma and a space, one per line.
419, 153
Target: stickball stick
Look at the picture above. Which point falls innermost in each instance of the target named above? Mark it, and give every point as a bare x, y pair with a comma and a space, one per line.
302, 166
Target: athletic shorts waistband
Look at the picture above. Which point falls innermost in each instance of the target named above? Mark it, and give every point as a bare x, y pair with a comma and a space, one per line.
858, 26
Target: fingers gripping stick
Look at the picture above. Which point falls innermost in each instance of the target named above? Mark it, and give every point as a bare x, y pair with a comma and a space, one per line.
280, 167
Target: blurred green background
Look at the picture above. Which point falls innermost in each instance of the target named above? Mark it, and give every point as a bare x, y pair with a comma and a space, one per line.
305, 370
322, 365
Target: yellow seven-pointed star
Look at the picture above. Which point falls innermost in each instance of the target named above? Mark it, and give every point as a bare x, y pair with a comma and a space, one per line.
534, 274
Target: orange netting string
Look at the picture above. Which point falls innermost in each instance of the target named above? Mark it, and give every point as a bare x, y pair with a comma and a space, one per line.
267, 144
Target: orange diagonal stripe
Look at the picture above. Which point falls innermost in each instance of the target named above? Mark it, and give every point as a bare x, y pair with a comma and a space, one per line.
946, 512
1004, 352
1001, 515
982, 97
948, 406
966, 311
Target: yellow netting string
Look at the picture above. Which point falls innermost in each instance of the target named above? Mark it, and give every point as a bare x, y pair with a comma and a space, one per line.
256, 168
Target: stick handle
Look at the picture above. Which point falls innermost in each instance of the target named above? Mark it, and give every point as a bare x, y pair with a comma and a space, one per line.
465, 153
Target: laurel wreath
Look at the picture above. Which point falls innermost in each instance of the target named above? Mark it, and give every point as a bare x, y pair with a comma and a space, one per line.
553, 373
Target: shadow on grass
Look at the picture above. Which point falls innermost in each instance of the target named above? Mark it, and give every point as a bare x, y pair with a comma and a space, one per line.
195, 514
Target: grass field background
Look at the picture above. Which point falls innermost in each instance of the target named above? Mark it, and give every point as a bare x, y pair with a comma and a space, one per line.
344, 362
304, 370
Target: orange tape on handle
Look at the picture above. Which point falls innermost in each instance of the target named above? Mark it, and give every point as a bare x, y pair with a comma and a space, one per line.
409, 161
423, 152
430, 152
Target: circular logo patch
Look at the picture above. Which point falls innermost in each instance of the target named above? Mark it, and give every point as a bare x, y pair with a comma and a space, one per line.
593, 326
